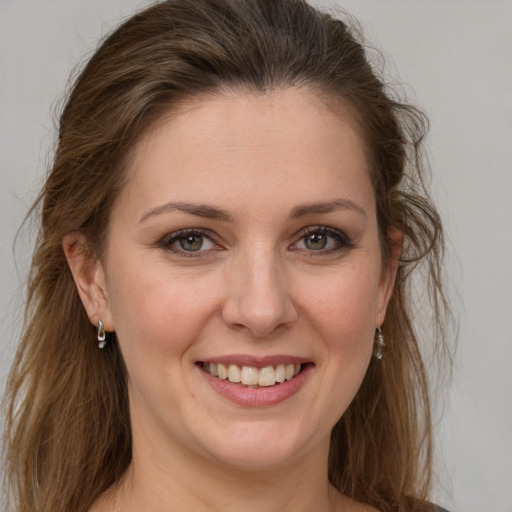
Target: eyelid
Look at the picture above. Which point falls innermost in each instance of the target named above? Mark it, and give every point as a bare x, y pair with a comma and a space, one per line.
343, 240
168, 240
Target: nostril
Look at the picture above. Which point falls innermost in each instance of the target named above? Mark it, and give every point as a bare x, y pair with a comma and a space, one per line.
261, 320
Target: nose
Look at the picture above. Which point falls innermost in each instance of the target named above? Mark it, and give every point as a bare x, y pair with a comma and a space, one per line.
259, 298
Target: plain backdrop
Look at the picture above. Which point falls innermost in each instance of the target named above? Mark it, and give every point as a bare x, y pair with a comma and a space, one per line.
455, 57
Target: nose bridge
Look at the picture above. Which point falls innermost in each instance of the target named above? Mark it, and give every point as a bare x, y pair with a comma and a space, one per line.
260, 298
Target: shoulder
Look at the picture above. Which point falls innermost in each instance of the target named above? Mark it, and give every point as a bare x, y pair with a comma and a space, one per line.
362, 507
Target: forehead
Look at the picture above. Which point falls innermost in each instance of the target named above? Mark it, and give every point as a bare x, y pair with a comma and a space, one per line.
241, 143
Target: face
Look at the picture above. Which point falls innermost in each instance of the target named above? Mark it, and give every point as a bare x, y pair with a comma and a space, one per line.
244, 247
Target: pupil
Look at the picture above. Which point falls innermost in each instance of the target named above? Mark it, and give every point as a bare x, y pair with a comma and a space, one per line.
191, 242
316, 241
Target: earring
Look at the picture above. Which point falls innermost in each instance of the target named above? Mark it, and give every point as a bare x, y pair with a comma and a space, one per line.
379, 354
101, 335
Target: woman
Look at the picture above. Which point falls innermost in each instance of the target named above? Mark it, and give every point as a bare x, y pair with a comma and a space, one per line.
219, 313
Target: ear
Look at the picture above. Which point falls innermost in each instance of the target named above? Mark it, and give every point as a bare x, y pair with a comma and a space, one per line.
89, 278
388, 276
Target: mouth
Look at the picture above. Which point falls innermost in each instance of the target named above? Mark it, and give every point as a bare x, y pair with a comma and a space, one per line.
256, 381
252, 376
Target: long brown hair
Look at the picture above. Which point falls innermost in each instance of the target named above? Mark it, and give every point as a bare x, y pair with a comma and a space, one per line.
67, 419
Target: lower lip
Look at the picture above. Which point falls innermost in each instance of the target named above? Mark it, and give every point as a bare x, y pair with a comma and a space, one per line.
258, 397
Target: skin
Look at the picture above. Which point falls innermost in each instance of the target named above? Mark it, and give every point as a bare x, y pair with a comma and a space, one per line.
255, 287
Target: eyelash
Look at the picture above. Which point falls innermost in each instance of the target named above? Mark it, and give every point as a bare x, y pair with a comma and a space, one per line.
168, 241
341, 240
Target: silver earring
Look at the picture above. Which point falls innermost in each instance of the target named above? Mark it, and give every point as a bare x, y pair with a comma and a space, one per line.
101, 335
379, 354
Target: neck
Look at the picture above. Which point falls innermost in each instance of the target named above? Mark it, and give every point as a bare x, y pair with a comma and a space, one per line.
170, 481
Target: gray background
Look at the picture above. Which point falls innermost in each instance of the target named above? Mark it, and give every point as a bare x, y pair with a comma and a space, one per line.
456, 58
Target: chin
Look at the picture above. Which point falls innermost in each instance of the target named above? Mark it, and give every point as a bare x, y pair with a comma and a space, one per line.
259, 446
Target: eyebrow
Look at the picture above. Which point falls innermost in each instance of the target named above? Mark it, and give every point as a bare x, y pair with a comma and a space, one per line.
327, 207
210, 212
201, 210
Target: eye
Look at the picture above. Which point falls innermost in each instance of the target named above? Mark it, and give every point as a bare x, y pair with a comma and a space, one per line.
191, 242
316, 241
323, 240
188, 241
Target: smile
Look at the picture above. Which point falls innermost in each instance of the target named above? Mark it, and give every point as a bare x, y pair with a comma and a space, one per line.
251, 375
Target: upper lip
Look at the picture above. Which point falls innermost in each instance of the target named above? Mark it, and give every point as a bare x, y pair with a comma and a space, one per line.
257, 361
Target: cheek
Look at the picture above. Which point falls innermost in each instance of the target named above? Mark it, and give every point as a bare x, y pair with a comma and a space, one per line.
154, 310
345, 308
341, 315
158, 318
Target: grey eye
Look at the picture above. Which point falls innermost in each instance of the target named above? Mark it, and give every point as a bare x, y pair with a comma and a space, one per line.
316, 241
191, 242
323, 240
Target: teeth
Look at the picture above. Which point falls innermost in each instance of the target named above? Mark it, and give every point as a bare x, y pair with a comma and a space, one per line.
252, 376
249, 375
267, 376
234, 373
280, 373
222, 371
